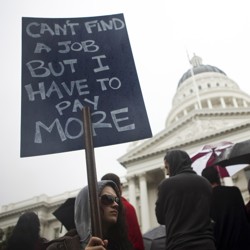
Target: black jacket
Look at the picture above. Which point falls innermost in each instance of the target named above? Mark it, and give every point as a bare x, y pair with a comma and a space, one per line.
183, 206
228, 211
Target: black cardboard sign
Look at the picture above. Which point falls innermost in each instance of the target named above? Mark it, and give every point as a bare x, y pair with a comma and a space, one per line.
69, 63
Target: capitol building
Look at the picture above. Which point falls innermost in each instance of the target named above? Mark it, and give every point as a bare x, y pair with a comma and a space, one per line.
207, 108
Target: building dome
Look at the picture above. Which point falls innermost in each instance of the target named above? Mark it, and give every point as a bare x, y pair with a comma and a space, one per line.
198, 68
206, 88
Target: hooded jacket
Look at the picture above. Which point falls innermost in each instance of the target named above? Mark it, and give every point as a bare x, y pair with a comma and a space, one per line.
82, 210
183, 205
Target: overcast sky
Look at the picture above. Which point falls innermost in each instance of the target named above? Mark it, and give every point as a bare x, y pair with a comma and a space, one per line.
160, 32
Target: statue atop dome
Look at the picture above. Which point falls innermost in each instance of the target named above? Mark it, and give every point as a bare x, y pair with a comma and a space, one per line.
196, 61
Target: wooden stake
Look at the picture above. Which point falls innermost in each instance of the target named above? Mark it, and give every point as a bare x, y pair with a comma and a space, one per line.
91, 173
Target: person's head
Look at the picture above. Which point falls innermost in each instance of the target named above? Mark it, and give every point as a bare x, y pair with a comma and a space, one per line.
177, 161
109, 204
212, 175
29, 221
26, 232
114, 178
111, 209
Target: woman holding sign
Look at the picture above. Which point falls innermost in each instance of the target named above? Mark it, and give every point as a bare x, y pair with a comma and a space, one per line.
114, 229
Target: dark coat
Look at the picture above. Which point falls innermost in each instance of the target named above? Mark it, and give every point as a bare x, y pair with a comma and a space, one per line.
231, 228
183, 206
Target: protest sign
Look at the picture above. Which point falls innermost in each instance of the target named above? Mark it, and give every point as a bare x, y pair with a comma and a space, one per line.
70, 63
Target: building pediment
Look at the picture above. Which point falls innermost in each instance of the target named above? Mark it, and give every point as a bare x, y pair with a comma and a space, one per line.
199, 125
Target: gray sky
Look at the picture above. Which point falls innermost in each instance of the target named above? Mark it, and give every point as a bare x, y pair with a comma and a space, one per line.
160, 33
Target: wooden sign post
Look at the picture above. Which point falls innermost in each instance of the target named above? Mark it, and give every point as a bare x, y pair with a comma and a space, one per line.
91, 173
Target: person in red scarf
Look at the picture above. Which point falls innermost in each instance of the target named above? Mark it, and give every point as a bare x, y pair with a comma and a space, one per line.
134, 231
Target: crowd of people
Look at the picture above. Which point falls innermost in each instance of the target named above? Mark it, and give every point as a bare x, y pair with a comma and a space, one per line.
197, 212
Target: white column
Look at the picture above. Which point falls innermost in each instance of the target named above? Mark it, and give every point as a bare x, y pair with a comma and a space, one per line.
223, 104
244, 104
209, 104
145, 224
228, 181
131, 190
235, 103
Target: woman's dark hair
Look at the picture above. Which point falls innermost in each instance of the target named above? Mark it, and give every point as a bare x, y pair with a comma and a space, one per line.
25, 234
118, 233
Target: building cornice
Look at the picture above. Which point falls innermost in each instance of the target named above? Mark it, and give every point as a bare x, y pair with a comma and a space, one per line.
35, 203
138, 154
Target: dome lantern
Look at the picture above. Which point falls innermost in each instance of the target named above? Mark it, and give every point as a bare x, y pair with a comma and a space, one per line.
198, 68
196, 61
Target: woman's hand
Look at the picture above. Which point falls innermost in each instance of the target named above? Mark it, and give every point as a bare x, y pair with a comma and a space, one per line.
96, 243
